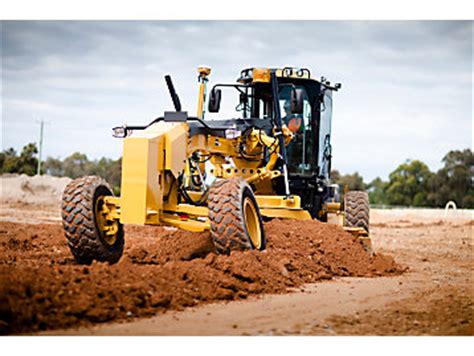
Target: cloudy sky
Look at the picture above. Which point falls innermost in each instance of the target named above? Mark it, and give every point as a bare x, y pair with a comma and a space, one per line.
407, 86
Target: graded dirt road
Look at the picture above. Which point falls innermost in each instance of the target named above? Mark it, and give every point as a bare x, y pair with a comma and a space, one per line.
312, 286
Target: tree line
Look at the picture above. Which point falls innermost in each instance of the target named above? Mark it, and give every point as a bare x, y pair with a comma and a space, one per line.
413, 184
410, 184
73, 166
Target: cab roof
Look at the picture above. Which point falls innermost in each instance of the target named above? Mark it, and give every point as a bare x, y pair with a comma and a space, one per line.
262, 75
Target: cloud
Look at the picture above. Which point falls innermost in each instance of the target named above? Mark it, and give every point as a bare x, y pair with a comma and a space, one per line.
407, 85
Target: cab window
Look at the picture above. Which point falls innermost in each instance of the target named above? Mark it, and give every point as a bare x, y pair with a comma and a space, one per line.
299, 150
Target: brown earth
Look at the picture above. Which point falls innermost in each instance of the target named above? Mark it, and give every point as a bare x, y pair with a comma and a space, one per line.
434, 297
41, 286
448, 311
168, 284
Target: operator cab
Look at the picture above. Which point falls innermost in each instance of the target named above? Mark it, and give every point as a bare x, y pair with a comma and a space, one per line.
305, 106
309, 119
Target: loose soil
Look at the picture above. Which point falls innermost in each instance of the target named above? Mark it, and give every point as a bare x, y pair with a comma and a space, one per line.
172, 283
434, 297
41, 286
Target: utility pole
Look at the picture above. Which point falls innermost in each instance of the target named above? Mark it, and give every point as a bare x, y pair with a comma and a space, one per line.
40, 147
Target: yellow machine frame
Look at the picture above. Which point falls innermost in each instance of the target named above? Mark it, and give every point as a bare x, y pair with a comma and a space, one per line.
153, 159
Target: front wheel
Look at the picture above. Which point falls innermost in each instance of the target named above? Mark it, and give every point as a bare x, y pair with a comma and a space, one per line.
235, 219
90, 232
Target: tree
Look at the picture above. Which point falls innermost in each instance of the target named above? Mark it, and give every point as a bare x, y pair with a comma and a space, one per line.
376, 189
54, 167
9, 161
114, 175
3, 157
408, 184
28, 163
454, 181
353, 181
110, 170
335, 175
76, 165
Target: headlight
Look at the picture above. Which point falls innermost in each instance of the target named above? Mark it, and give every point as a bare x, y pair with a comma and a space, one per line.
119, 131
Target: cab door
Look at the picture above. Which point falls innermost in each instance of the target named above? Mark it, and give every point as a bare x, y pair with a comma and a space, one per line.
325, 154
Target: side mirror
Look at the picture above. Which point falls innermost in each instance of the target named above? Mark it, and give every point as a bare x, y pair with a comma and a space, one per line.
215, 100
297, 98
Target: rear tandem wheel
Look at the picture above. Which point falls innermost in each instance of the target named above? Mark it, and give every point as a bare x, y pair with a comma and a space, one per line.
356, 210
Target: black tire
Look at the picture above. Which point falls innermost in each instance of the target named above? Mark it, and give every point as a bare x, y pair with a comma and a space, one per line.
357, 209
80, 224
227, 203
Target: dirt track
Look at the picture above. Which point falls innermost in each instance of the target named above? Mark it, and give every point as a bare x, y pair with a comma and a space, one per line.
166, 280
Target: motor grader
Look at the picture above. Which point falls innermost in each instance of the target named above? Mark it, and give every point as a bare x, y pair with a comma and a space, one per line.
272, 160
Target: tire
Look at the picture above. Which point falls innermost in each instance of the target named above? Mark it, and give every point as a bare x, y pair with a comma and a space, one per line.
236, 223
356, 210
86, 241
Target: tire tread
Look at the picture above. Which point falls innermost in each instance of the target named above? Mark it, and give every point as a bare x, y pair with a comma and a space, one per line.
357, 209
82, 234
227, 222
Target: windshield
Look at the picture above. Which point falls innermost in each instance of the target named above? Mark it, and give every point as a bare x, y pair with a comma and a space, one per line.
299, 150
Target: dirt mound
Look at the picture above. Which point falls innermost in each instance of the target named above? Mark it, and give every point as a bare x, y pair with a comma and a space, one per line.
44, 189
41, 287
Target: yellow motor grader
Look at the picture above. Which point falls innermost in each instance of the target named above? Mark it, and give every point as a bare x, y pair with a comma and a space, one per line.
273, 160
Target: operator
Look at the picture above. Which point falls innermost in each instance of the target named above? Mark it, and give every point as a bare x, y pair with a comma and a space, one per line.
294, 149
293, 122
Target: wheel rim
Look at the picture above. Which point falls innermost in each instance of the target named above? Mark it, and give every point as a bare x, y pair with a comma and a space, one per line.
108, 227
252, 223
